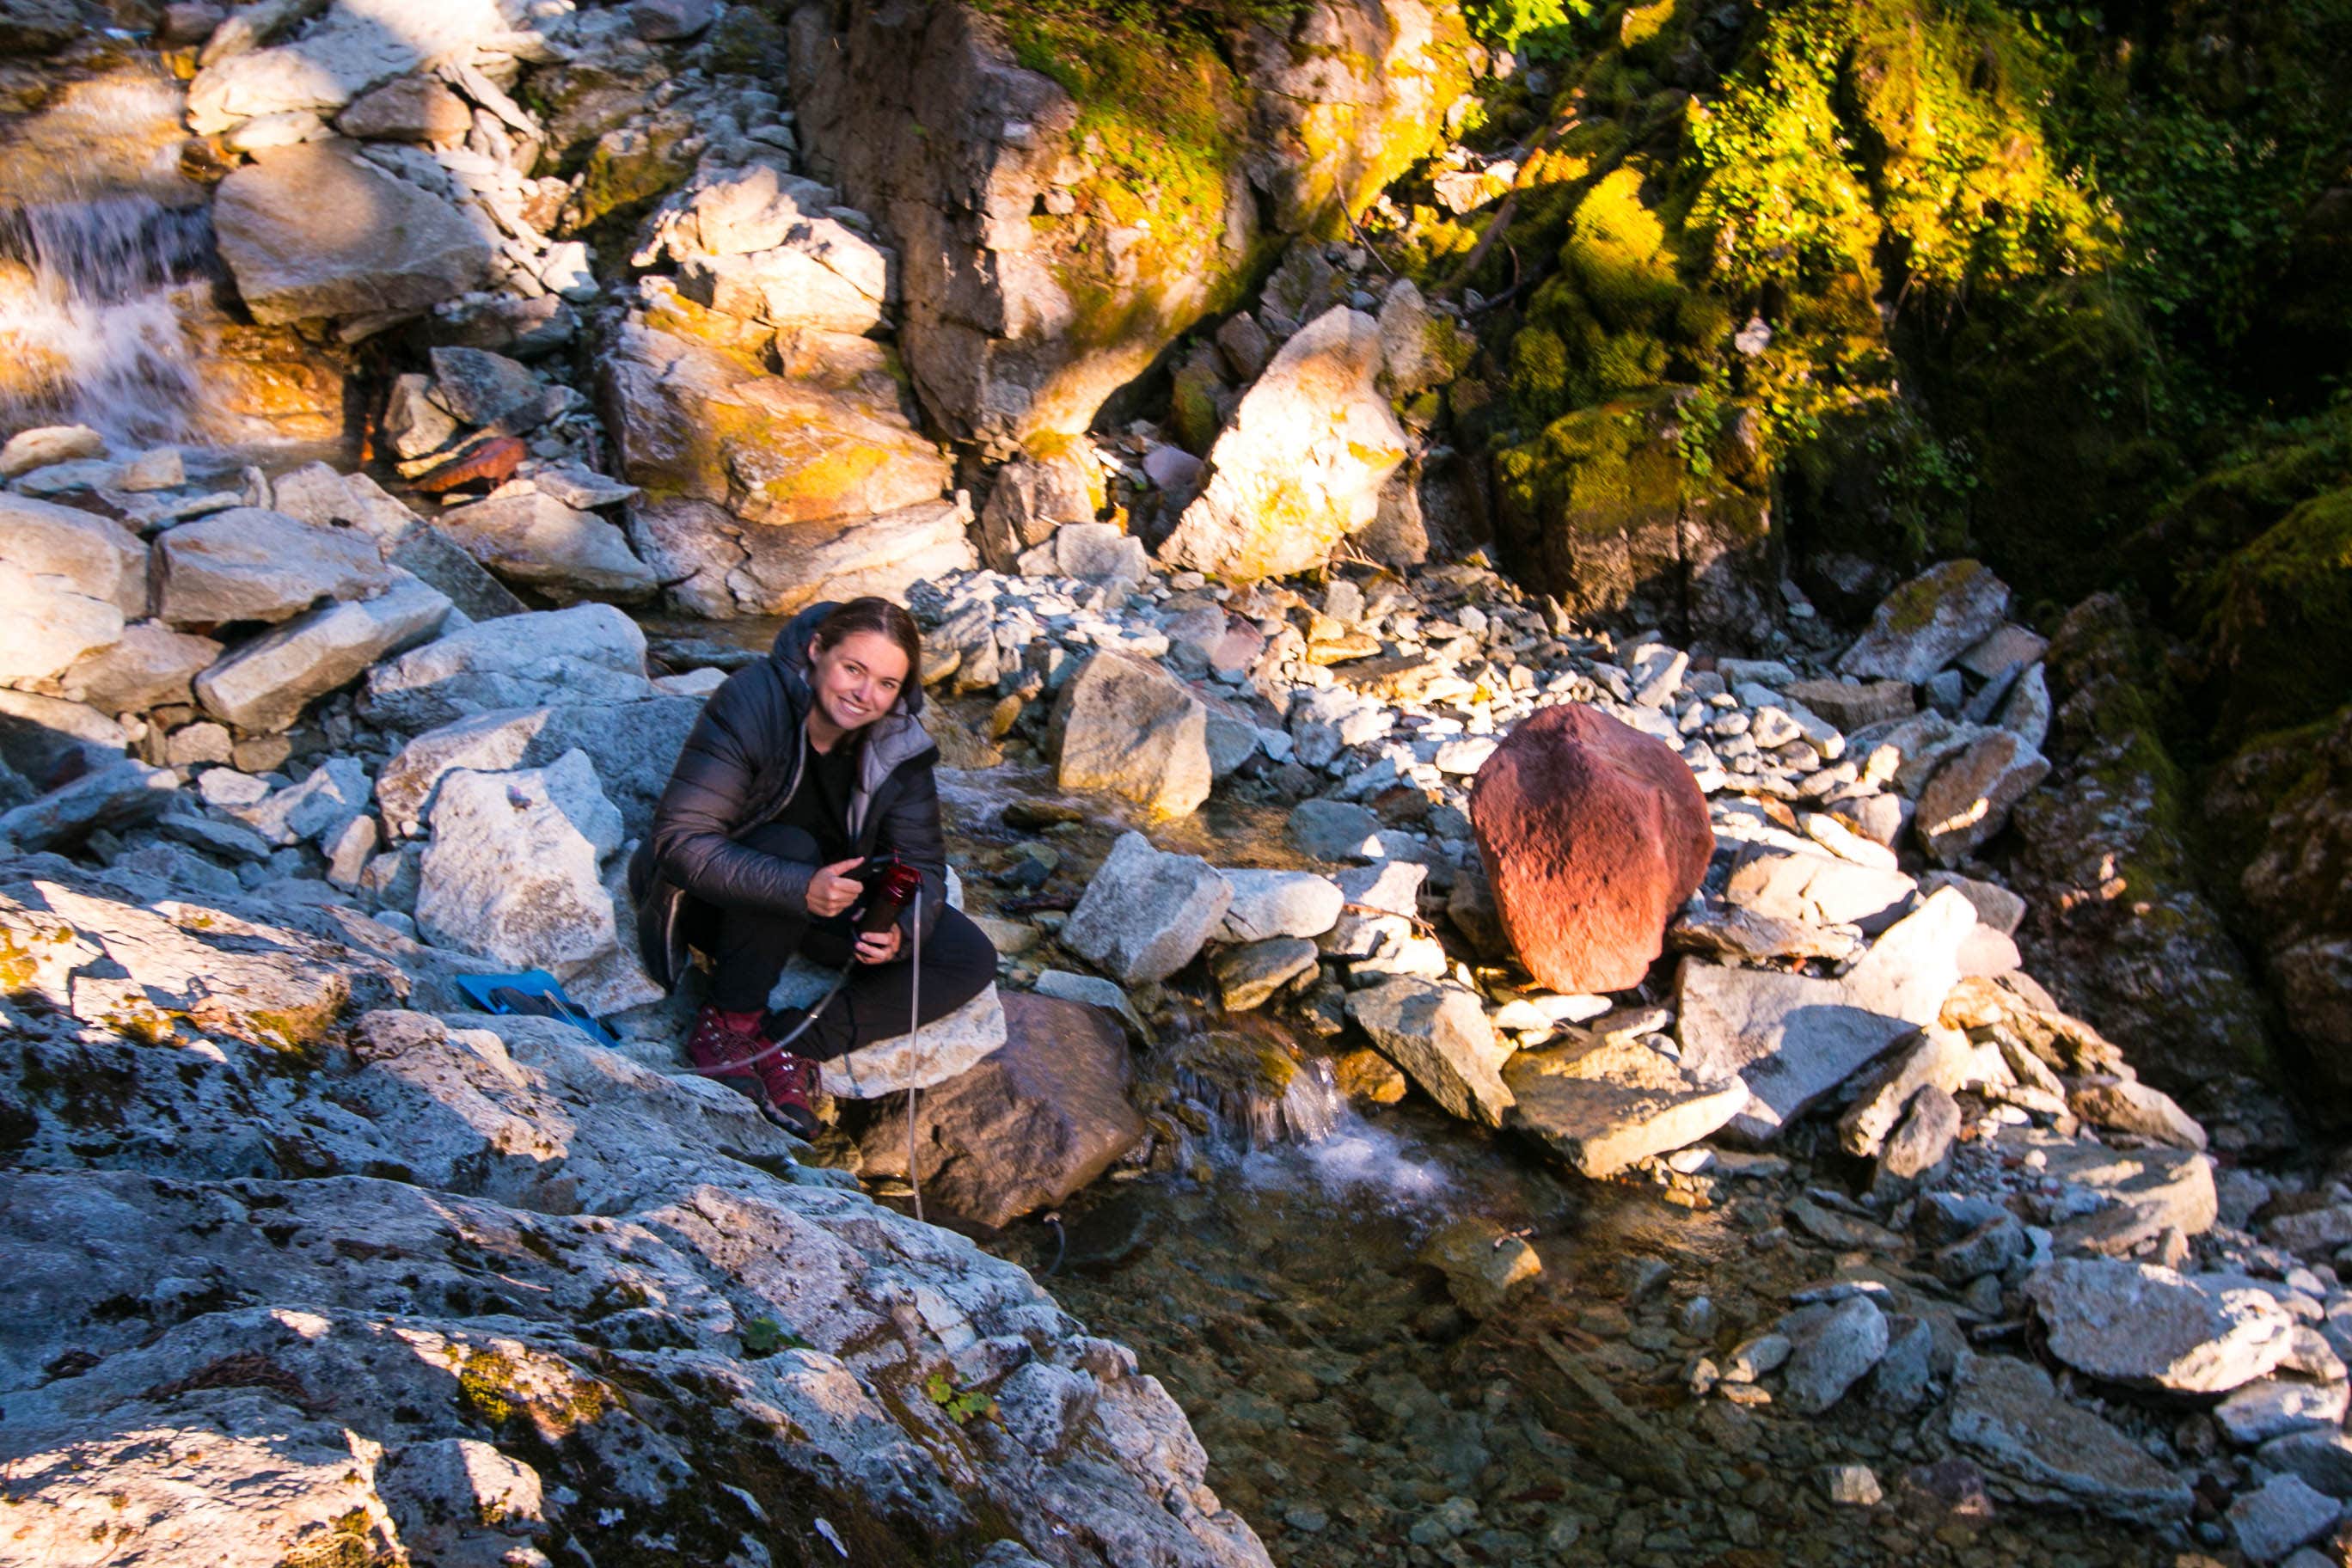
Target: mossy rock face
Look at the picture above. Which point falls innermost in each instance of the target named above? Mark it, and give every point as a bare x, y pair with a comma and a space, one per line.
2110, 854
2290, 797
1602, 510
2279, 619
694, 420
1345, 96
580, 101
628, 170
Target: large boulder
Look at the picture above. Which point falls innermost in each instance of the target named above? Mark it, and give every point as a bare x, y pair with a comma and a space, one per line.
714, 564
247, 564
1147, 912
1793, 1038
1032, 292
93, 556
1928, 623
1302, 467
1033, 1123
696, 417
512, 872
1602, 511
1348, 94
1036, 284
1125, 725
266, 683
588, 653
1592, 835
2147, 1326
565, 553
316, 231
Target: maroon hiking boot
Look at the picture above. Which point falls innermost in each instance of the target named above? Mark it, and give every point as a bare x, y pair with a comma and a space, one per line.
791, 1084
719, 1043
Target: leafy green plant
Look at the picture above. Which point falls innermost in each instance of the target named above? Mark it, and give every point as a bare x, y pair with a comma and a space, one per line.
961, 1405
765, 1337
1542, 29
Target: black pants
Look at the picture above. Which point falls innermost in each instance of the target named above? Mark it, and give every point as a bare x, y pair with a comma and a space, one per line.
747, 949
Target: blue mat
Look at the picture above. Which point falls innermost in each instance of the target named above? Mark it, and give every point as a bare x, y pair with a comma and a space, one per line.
535, 994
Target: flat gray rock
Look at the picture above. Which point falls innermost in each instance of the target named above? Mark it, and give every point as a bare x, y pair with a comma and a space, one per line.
1831, 1345
2009, 1412
265, 685
512, 872
1279, 904
559, 551
2145, 1327
1125, 726
1929, 622
1440, 1036
1147, 912
1794, 1039
1603, 1104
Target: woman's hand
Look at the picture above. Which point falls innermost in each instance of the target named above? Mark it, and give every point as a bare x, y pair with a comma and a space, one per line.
878, 946
832, 890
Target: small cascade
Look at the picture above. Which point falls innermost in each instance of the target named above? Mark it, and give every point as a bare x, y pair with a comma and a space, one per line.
94, 301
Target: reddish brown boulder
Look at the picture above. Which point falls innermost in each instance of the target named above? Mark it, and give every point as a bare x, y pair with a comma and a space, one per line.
1593, 835
1031, 1123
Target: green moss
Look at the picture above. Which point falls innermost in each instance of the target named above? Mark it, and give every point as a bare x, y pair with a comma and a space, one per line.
1158, 108
2276, 618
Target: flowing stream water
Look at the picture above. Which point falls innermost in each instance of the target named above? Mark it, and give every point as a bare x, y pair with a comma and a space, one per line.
106, 256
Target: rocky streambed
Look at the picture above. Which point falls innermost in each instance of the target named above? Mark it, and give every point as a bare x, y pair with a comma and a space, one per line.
1781, 1213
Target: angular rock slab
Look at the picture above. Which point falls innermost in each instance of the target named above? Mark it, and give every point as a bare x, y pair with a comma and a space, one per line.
1968, 799
92, 556
588, 653
1929, 622
1440, 1036
1604, 1104
118, 795
1125, 725
1592, 835
49, 627
1025, 1128
1147, 912
1830, 1345
565, 553
1793, 1038
2118, 1197
2145, 1327
180, 965
265, 685
316, 231
1817, 889
511, 872
2009, 1412
1302, 465
150, 667
249, 564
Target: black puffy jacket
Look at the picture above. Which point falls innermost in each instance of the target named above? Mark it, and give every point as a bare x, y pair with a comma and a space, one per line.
738, 769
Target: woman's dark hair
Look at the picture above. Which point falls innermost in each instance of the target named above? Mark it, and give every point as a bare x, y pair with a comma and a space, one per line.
876, 614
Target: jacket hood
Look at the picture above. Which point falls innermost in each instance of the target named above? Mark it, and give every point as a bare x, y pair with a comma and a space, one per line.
791, 652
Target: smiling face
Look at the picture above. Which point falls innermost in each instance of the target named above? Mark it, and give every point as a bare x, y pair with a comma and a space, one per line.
856, 680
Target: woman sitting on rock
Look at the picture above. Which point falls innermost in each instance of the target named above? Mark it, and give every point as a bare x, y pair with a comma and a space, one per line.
802, 767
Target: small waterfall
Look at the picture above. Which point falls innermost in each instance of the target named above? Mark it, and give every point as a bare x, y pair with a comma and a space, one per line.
92, 301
